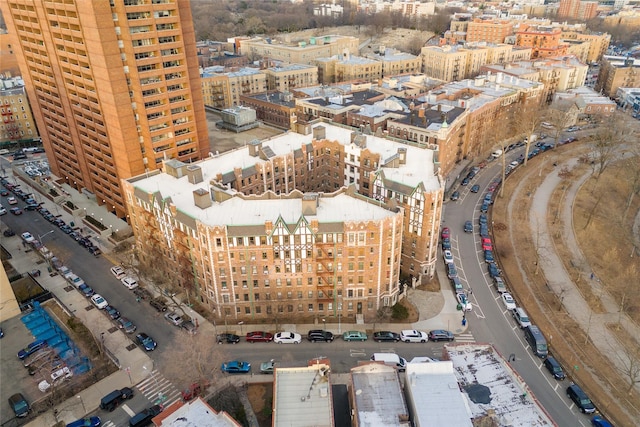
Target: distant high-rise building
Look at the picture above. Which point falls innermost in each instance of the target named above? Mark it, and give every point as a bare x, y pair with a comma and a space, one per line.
577, 9
114, 86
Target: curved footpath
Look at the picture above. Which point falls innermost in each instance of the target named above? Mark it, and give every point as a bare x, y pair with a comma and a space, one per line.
559, 279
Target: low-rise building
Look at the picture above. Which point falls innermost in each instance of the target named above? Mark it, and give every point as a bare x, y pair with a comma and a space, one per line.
395, 62
376, 397
628, 98
434, 396
588, 101
543, 40
302, 397
284, 78
194, 413
597, 43
221, 88
276, 109
616, 72
347, 67
17, 123
303, 51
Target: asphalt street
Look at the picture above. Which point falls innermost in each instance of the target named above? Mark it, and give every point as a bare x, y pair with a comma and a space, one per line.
489, 320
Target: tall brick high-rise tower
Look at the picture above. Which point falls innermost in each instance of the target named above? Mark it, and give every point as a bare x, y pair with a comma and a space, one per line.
114, 87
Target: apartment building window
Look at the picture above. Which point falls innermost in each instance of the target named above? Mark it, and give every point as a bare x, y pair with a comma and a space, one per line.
266, 283
310, 307
225, 298
300, 307
223, 284
222, 272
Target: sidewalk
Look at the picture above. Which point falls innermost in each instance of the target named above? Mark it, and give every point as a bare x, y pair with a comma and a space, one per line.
438, 310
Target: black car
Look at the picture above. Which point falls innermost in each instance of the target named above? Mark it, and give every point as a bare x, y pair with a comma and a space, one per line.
494, 271
8, 232
554, 367
440, 335
451, 270
319, 335
94, 250
227, 338
580, 398
386, 336
112, 312
468, 227
159, 304
465, 181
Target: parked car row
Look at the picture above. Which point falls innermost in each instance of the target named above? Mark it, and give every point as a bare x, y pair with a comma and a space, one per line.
320, 335
452, 272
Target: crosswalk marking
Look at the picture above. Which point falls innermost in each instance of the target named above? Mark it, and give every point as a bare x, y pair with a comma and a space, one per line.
466, 337
128, 410
159, 390
108, 424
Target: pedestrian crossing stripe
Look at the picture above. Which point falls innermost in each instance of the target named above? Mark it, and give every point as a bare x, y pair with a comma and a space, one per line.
159, 390
465, 338
108, 424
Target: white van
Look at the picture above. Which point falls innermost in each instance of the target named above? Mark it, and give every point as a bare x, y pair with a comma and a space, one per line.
496, 154
390, 359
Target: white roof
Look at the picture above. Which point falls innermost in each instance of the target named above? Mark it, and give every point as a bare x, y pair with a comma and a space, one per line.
302, 397
481, 364
198, 414
434, 395
418, 169
378, 396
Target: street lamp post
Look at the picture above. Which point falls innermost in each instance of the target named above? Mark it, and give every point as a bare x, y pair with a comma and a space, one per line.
324, 324
84, 410
40, 237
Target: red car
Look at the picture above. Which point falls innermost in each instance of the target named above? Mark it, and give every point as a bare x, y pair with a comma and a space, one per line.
259, 336
446, 233
486, 244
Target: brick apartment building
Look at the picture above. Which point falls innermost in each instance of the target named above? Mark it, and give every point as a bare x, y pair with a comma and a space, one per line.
273, 238
543, 40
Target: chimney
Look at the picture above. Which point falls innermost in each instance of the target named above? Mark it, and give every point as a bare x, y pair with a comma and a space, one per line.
439, 108
319, 132
310, 204
402, 153
421, 112
201, 198
194, 174
254, 147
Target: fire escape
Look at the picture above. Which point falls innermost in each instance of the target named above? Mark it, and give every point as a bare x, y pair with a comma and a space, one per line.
11, 125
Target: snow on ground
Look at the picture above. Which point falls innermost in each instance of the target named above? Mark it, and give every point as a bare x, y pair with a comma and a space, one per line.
482, 364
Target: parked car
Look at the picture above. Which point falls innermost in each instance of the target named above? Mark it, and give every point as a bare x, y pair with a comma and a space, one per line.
354, 336
457, 285
160, 304
259, 336
451, 270
446, 233
499, 284
31, 348
386, 336
129, 282
86, 422
554, 367
12, 200
173, 318
508, 301
287, 338
486, 244
86, 290
236, 367
118, 272
493, 269
446, 244
580, 398
19, 405
27, 237
464, 303
485, 207
440, 335
189, 326
455, 196
16, 211
146, 341
599, 421
267, 367
144, 417
8, 233
468, 227
482, 219
411, 335
227, 338
319, 335
113, 313
448, 256
98, 301
488, 256
474, 188
126, 325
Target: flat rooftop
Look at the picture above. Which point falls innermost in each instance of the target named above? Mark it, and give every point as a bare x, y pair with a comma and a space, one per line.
378, 396
302, 397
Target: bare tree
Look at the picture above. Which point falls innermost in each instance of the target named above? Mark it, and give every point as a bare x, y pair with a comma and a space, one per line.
193, 359
559, 116
525, 121
631, 172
